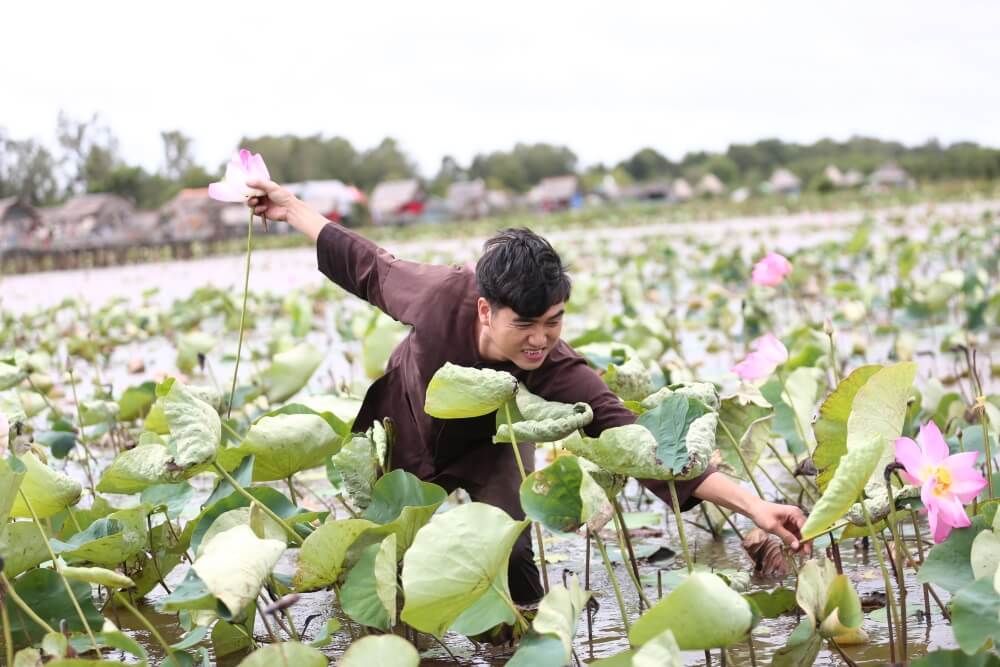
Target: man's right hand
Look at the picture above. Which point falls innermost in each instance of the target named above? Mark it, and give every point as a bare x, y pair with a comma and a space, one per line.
274, 204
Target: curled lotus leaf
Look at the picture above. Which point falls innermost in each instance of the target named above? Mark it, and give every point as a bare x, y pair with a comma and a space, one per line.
544, 421
235, 564
358, 467
846, 486
322, 556
98, 575
368, 594
383, 650
10, 482
830, 602
457, 392
878, 502
702, 391
48, 491
555, 625
290, 371
284, 444
612, 483
109, 540
632, 381
562, 496
98, 412
195, 428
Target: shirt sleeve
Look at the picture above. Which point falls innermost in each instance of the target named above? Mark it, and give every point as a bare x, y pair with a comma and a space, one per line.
568, 379
399, 288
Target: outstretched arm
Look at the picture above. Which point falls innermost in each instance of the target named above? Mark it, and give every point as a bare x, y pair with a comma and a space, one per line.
280, 204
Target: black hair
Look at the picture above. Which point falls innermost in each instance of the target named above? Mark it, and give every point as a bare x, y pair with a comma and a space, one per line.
521, 271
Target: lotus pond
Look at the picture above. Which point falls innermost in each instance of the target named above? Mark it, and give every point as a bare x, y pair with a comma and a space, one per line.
167, 505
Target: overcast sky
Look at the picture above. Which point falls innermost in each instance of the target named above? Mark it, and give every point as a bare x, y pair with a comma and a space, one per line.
604, 78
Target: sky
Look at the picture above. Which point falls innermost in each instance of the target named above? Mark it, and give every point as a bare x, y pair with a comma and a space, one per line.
459, 78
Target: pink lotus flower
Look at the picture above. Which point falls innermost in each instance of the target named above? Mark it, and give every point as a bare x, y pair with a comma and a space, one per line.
768, 353
245, 166
947, 482
771, 270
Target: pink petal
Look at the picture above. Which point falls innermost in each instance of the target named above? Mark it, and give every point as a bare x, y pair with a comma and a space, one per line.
952, 512
939, 529
257, 169
966, 480
225, 191
762, 275
935, 448
909, 454
245, 159
754, 367
771, 348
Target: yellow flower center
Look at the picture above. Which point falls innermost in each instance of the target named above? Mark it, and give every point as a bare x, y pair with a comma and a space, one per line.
942, 481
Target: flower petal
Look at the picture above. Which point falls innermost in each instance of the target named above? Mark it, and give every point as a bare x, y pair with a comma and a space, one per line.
909, 454
258, 170
771, 348
935, 448
939, 529
952, 511
245, 159
754, 367
225, 191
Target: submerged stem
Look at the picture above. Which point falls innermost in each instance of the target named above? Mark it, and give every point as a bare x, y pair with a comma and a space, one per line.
625, 546
893, 612
676, 504
243, 313
123, 599
537, 526
614, 580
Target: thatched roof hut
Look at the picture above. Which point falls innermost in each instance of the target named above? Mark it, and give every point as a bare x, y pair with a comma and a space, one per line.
91, 219
20, 223
555, 193
467, 199
834, 175
680, 190
784, 182
394, 202
710, 186
890, 175
192, 215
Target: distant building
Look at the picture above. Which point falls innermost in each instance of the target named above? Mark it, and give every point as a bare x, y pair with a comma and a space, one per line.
92, 219
499, 201
192, 216
654, 191
710, 186
20, 224
853, 179
556, 193
890, 176
397, 202
834, 176
467, 200
680, 190
332, 198
784, 182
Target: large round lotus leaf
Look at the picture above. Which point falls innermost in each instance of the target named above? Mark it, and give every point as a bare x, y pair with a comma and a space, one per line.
702, 612
195, 428
358, 467
292, 654
557, 616
383, 650
402, 504
290, 371
240, 516
10, 482
378, 343
457, 392
975, 615
543, 421
133, 470
189, 346
949, 564
110, 540
369, 592
98, 412
344, 407
285, 444
878, 411
235, 564
631, 381
48, 491
45, 593
22, 547
704, 392
831, 425
684, 429
563, 496
98, 575
454, 560
848, 482
321, 558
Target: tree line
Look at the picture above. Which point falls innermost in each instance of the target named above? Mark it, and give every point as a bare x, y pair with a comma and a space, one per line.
88, 160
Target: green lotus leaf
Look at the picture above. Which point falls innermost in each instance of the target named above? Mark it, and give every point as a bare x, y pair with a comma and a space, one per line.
48, 491
189, 346
10, 376
949, 564
800, 650
455, 559
876, 501
684, 429
43, 590
235, 564
828, 599
984, 556
631, 381
457, 392
98, 575
612, 483
322, 556
345, 408
133, 470
543, 421
195, 428
751, 445
98, 412
624, 450
704, 392
11, 477
562, 496
831, 427
975, 615
878, 410
402, 504
845, 488
290, 371
660, 651
22, 547
369, 592
957, 658
109, 540
379, 341
358, 468
289, 653
602, 354
381, 650
268, 528
285, 444
136, 401
174, 497
557, 617
702, 612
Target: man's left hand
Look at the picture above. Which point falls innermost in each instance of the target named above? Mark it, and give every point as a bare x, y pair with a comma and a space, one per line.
785, 521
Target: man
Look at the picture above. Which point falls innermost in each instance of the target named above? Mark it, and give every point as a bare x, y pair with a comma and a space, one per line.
507, 315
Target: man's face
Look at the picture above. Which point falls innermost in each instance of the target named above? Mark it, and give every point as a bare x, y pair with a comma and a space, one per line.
522, 340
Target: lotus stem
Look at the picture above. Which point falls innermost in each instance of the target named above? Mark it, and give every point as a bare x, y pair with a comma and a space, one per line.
784, 464
22, 605
8, 640
537, 527
613, 578
900, 584
836, 646
291, 490
739, 453
625, 546
243, 313
753, 653
123, 599
87, 456
267, 510
920, 552
893, 612
676, 504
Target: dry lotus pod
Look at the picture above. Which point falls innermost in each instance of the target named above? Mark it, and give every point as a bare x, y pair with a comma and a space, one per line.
765, 552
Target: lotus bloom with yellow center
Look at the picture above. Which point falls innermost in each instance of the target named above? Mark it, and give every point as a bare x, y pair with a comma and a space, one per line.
947, 481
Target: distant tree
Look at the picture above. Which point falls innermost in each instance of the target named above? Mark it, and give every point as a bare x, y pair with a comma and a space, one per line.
385, 162
28, 170
648, 164
177, 154
143, 189
90, 151
524, 166
449, 172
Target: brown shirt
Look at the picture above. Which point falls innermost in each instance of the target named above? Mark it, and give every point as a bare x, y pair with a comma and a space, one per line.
439, 303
